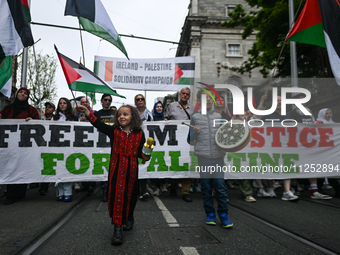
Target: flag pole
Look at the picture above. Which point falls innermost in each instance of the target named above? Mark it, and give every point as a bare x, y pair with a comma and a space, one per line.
75, 101
38, 81
82, 45
293, 60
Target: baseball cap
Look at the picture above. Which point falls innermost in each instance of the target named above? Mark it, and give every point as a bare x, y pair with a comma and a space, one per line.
49, 103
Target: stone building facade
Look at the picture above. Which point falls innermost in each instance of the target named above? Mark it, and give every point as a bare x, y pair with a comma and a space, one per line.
218, 51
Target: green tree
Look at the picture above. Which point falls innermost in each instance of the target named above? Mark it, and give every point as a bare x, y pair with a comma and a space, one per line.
47, 66
270, 20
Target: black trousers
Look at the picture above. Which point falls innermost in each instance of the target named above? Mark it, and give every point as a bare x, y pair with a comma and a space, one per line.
16, 190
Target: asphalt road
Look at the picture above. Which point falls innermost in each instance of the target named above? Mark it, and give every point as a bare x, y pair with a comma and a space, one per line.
41, 225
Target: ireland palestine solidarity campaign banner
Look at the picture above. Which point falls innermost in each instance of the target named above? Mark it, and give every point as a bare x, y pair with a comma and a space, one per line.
146, 74
48, 151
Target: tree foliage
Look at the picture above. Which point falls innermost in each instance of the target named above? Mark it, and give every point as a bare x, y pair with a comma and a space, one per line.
270, 20
47, 66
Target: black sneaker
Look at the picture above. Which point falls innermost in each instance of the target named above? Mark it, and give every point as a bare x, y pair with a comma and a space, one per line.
187, 198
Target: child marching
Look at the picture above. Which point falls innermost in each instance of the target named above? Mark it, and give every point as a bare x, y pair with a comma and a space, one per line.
127, 140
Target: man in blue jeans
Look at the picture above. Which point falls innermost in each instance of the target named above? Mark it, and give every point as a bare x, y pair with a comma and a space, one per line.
210, 162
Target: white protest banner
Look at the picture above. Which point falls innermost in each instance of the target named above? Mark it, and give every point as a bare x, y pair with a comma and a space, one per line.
146, 74
47, 151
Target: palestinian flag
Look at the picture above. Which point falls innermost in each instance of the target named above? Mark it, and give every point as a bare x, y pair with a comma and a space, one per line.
15, 33
318, 24
330, 13
308, 28
6, 77
184, 72
79, 78
95, 20
26, 10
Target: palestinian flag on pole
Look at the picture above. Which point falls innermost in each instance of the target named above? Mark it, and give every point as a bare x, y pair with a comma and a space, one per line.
6, 77
95, 20
15, 33
26, 10
318, 24
330, 13
79, 78
184, 72
308, 28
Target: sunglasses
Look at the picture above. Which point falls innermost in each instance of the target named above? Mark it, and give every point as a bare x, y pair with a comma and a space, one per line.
187, 94
62, 103
140, 99
107, 100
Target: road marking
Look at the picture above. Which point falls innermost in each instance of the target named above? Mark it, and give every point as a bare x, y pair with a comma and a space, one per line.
172, 222
188, 250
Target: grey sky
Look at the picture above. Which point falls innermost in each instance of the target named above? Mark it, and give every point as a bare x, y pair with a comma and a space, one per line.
158, 19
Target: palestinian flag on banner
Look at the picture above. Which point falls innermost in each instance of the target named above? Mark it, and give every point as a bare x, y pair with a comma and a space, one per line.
184, 73
6, 77
79, 78
15, 33
318, 24
26, 10
95, 20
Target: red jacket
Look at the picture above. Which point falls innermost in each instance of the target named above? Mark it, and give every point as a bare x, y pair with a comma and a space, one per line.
34, 114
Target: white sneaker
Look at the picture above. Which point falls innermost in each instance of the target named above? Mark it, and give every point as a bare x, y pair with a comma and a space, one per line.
157, 192
271, 192
250, 199
327, 186
297, 193
289, 196
76, 186
164, 187
263, 193
276, 185
318, 195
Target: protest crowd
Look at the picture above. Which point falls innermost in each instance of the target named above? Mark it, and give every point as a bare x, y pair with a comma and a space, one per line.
124, 128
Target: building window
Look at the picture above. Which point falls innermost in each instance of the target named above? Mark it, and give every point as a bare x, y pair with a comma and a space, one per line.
229, 9
234, 50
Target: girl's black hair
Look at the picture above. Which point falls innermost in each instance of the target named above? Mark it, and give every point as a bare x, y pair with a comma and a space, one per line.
136, 121
68, 112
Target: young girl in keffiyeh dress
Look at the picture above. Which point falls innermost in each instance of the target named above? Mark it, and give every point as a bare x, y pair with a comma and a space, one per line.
127, 140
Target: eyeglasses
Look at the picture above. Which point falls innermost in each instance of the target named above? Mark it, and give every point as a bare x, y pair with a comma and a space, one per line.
62, 103
139, 99
187, 94
107, 100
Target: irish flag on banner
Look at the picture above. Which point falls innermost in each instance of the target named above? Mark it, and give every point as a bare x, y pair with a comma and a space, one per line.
6, 77
95, 20
318, 24
157, 74
79, 78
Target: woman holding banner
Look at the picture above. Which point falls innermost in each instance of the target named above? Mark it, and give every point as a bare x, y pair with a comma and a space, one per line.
145, 115
325, 117
19, 109
64, 113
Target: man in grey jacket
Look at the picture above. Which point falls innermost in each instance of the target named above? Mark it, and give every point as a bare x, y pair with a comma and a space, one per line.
181, 110
210, 156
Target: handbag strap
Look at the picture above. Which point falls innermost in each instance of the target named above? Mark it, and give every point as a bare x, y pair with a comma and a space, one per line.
184, 110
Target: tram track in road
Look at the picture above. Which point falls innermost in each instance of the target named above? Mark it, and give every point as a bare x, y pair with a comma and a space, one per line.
320, 202
51, 228
291, 233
